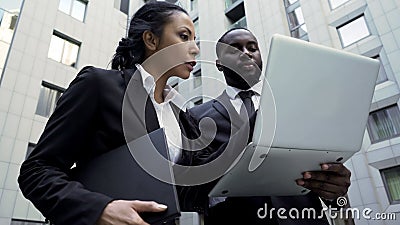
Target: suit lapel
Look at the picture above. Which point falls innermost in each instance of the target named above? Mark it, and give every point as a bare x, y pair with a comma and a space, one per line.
138, 114
176, 110
224, 106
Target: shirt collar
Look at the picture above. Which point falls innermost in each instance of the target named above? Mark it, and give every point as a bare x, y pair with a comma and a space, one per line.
232, 92
147, 79
170, 94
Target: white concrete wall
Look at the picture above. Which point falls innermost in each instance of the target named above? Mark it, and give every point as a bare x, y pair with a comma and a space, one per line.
28, 65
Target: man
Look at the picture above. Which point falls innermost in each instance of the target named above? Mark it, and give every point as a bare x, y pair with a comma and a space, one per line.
240, 61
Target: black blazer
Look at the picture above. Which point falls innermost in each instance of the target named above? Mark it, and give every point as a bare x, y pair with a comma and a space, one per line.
228, 120
86, 123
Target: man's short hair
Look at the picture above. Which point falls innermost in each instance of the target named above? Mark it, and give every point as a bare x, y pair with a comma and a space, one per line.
222, 38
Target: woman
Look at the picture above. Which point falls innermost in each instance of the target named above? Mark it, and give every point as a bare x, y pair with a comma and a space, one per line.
88, 120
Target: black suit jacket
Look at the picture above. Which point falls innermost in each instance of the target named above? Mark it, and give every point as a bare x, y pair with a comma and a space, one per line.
228, 121
86, 123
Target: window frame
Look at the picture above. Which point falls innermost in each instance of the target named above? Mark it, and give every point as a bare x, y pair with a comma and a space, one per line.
122, 6
175, 85
369, 129
27, 222
198, 101
30, 148
348, 22
332, 8
194, 5
52, 87
236, 24
291, 9
196, 21
196, 78
381, 67
71, 7
385, 184
66, 39
288, 4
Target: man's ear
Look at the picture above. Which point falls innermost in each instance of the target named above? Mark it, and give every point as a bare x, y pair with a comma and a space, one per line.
219, 65
150, 40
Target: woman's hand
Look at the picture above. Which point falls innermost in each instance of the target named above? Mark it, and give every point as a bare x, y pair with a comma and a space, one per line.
121, 212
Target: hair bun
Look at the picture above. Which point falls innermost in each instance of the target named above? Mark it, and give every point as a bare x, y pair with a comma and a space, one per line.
124, 45
150, 17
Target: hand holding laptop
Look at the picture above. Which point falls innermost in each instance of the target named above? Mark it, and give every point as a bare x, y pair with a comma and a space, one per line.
331, 182
320, 109
127, 212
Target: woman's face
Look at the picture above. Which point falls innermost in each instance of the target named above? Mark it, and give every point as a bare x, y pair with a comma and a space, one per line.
179, 48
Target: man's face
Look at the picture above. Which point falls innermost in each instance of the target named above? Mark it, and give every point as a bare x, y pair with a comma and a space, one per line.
240, 59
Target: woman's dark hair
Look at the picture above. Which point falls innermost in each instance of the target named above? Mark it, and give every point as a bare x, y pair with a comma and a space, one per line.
152, 17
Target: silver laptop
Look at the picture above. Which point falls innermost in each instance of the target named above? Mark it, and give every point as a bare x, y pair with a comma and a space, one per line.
322, 98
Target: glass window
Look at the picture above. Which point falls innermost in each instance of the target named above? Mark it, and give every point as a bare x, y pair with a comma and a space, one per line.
49, 95
56, 48
13, 22
296, 18
297, 26
175, 85
9, 12
391, 178
124, 7
31, 146
1, 15
198, 101
74, 8
300, 32
63, 50
193, 5
70, 53
229, 3
26, 222
335, 3
242, 22
197, 79
384, 124
78, 10
289, 2
353, 31
65, 6
382, 73
196, 28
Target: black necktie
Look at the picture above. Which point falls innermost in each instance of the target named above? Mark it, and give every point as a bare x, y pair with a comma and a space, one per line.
248, 104
247, 101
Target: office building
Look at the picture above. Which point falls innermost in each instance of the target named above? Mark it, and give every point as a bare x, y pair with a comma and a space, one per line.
44, 43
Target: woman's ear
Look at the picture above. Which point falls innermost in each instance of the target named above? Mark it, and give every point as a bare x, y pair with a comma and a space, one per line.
150, 40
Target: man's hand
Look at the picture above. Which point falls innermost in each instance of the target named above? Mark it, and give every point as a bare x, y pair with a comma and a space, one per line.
330, 183
120, 212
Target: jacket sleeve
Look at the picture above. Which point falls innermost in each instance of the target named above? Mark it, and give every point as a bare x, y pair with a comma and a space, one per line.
44, 176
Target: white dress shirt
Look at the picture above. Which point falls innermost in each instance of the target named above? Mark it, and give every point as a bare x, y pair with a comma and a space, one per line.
165, 115
237, 102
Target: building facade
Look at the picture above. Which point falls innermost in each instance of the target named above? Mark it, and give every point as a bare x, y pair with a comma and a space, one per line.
366, 27
50, 41
44, 43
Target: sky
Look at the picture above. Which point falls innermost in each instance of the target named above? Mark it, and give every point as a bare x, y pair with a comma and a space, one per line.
10, 4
